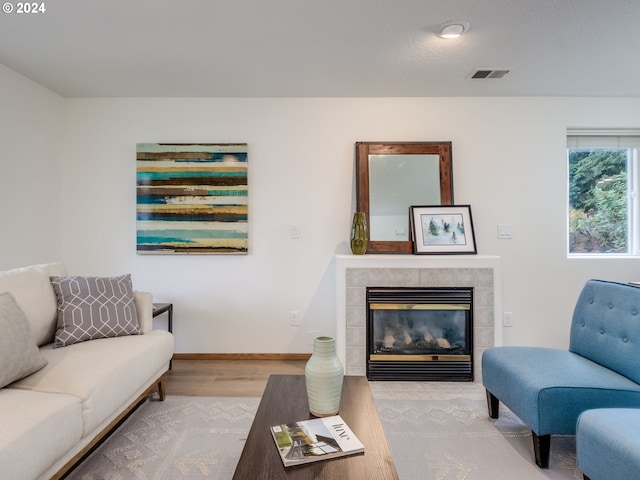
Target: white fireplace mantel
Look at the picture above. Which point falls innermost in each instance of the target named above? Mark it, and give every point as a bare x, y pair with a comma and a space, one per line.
479, 271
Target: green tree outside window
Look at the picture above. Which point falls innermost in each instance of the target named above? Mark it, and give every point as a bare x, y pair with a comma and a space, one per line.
598, 201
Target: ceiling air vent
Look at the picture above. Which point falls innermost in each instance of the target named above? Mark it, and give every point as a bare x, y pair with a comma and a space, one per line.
488, 73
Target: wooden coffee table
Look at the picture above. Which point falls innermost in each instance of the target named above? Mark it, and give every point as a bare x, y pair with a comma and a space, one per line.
285, 401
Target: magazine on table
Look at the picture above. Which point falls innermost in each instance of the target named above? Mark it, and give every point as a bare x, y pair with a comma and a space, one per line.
313, 440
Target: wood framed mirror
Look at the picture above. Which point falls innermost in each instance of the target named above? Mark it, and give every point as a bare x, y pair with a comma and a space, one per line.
392, 176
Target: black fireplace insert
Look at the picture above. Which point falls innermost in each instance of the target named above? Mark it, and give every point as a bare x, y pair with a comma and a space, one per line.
420, 333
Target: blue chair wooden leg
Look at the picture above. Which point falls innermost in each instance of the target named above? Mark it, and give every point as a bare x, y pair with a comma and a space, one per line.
541, 448
493, 404
541, 443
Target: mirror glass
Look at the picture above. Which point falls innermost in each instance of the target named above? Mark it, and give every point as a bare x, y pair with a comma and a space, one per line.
395, 183
393, 176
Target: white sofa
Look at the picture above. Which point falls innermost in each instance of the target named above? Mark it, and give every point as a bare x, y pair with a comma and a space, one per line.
52, 417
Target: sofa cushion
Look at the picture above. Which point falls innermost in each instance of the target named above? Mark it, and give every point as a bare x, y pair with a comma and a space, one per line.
94, 307
102, 373
36, 430
19, 354
32, 289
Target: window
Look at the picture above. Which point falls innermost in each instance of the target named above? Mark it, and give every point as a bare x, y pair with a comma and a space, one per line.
603, 205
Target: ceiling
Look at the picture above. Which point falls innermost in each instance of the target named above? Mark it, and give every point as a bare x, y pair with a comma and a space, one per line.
325, 48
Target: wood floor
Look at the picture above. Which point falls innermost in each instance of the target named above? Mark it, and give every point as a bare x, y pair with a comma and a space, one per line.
226, 378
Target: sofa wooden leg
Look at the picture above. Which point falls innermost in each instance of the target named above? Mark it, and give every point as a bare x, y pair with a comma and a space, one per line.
493, 404
541, 447
161, 392
585, 477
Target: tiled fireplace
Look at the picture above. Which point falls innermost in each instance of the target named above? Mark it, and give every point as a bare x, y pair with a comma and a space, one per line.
354, 273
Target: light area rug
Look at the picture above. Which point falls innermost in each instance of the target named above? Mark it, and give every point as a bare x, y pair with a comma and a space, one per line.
442, 431
180, 438
435, 430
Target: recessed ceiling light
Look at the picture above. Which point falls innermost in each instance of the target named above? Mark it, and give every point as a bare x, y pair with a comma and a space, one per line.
453, 28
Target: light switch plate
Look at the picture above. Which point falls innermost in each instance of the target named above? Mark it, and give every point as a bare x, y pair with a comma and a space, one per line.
505, 231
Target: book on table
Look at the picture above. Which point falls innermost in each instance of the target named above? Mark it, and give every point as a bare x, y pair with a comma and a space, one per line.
316, 439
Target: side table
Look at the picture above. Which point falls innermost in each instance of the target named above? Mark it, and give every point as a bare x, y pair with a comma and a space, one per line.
159, 309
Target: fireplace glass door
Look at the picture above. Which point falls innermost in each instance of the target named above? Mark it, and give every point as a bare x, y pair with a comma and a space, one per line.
420, 334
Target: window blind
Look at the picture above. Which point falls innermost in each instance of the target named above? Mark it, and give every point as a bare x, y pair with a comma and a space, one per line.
603, 138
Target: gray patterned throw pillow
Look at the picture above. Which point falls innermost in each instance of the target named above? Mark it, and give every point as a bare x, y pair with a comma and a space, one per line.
19, 354
94, 307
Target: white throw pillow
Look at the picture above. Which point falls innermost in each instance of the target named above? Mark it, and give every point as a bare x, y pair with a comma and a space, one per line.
19, 354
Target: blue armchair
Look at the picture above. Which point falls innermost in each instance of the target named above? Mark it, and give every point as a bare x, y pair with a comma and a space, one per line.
549, 388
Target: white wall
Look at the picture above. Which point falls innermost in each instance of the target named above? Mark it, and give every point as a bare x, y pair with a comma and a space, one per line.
30, 146
509, 163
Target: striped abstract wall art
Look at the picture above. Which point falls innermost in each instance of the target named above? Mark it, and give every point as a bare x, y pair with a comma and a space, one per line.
191, 198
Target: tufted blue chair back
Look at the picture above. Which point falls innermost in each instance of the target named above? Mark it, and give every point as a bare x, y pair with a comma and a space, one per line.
606, 326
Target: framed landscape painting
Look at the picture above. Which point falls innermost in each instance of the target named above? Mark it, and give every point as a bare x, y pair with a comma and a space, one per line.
439, 229
191, 198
